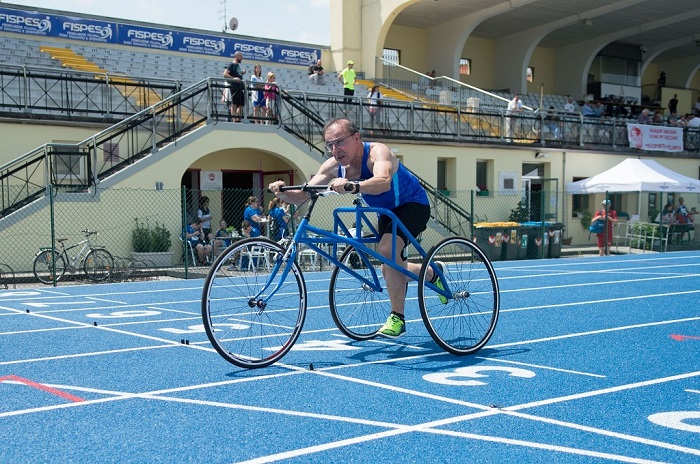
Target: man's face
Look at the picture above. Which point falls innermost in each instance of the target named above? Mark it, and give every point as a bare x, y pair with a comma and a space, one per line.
340, 142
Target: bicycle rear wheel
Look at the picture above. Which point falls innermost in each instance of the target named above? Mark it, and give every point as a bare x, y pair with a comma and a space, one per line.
357, 310
463, 321
245, 329
98, 264
43, 266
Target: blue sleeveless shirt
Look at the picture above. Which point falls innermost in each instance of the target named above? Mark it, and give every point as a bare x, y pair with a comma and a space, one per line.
405, 187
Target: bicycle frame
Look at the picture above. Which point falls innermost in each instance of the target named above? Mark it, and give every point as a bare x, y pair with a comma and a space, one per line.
359, 242
87, 245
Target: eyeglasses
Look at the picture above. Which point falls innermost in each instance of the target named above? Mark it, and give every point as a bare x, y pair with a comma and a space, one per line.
338, 143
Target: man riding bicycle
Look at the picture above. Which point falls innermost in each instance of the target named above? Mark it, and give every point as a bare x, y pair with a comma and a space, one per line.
373, 170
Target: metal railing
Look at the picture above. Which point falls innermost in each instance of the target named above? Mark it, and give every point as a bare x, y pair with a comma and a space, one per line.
80, 166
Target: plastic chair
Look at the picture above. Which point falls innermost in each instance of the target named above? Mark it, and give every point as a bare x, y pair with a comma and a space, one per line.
255, 257
188, 250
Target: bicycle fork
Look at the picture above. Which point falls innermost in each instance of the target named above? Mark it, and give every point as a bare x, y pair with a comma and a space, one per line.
280, 260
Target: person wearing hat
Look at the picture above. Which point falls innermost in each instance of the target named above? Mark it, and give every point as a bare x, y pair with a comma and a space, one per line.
608, 215
347, 77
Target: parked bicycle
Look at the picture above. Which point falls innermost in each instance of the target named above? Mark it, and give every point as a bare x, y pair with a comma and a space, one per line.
254, 297
95, 261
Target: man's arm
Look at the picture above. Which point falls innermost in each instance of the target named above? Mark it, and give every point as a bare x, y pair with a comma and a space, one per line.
327, 172
384, 164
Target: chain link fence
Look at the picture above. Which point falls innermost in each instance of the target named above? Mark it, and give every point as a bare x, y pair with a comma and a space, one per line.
142, 230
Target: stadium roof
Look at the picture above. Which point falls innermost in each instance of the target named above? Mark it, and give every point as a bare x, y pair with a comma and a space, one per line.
669, 28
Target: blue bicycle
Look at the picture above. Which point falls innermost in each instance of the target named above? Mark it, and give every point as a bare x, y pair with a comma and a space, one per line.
254, 297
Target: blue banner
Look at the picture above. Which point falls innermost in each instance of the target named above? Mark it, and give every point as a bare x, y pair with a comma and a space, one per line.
92, 30
25, 22
84, 29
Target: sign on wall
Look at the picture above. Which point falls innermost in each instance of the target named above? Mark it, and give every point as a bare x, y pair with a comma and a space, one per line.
93, 30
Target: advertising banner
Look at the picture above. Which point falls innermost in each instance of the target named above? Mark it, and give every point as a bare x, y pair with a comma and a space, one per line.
655, 138
93, 30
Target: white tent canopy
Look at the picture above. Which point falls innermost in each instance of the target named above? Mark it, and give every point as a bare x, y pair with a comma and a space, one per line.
635, 175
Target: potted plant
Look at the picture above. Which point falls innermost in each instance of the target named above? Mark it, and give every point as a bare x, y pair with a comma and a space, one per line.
482, 191
521, 213
586, 218
151, 243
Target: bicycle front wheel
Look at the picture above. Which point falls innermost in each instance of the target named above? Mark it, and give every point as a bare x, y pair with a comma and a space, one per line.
462, 319
358, 311
44, 264
98, 265
248, 325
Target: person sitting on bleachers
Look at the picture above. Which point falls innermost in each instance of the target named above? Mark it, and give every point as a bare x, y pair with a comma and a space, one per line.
316, 73
588, 111
569, 106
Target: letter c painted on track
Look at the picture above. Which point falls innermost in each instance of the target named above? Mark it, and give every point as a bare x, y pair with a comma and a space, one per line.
456, 378
674, 420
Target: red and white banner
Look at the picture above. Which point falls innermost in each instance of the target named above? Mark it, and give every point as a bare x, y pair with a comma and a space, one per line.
655, 138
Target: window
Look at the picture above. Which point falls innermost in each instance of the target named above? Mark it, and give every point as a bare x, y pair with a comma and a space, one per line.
580, 202
465, 66
392, 56
68, 165
482, 175
530, 76
110, 151
442, 175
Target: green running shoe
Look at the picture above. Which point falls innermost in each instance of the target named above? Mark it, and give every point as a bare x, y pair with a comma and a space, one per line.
394, 327
438, 282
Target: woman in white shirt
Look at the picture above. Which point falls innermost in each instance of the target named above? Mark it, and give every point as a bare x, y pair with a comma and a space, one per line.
374, 97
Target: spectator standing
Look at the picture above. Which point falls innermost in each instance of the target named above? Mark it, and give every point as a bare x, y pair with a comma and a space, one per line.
696, 108
271, 94
316, 73
348, 78
258, 96
204, 214
682, 209
279, 211
515, 107
553, 122
253, 214
610, 216
374, 101
234, 72
673, 104
660, 84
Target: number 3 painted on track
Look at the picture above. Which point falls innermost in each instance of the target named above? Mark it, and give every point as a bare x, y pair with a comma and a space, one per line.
474, 372
674, 420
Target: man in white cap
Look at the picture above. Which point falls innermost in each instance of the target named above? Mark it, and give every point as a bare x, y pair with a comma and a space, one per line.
608, 215
347, 77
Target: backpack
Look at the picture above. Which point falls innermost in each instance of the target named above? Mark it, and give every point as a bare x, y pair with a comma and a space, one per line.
597, 227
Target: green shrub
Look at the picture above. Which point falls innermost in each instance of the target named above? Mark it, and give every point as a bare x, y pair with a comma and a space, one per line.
145, 239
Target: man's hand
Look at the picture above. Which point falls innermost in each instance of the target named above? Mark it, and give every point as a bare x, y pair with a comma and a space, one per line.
338, 185
274, 187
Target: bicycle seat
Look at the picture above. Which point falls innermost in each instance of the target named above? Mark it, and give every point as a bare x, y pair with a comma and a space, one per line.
61, 240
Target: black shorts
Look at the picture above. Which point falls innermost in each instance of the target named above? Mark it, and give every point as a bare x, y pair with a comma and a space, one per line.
237, 93
414, 216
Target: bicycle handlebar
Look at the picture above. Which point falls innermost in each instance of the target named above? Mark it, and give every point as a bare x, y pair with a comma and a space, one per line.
89, 232
309, 188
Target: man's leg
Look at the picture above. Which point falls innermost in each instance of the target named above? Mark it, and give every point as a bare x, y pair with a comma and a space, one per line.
396, 285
